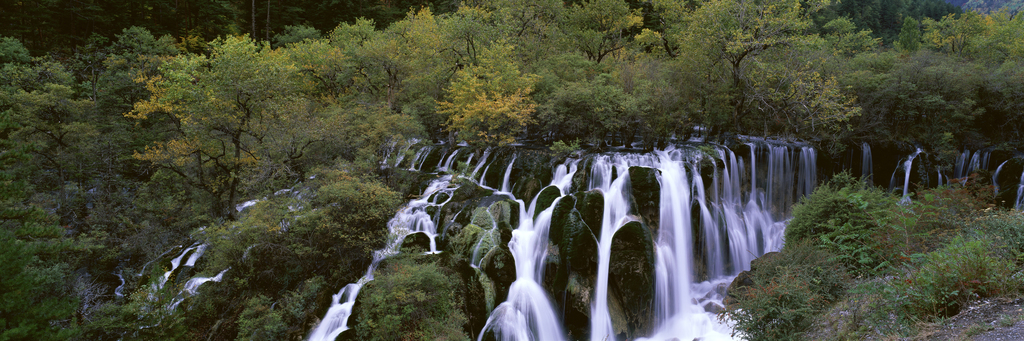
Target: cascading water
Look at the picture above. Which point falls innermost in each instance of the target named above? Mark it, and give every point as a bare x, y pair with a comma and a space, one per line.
527, 313
616, 208
866, 170
412, 218
907, 166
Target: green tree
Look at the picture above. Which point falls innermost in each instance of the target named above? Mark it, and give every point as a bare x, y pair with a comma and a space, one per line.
34, 304
238, 115
910, 35
599, 27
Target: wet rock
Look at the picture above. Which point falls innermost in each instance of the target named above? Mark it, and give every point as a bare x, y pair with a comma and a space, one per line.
526, 187
739, 286
646, 195
581, 180
416, 242
713, 307
631, 271
590, 205
578, 244
500, 267
545, 198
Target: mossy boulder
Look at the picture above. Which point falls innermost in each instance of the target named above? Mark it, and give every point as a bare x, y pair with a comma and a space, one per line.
646, 194
590, 205
545, 198
526, 187
631, 272
500, 267
581, 179
416, 242
465, 241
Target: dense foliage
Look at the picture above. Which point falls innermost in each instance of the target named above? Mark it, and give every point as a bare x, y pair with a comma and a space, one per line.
131, 129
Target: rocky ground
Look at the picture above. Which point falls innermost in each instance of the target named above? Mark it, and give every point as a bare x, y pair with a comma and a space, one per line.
997, 319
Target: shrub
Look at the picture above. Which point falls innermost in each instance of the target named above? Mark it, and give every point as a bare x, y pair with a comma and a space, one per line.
844, 217
789, 288
410, 301
941, 282
1006, 227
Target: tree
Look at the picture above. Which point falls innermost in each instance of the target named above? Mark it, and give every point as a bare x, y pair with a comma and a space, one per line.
910, 36
954, 35
738, 32
598, 27
489, 103
232, 115
33, 303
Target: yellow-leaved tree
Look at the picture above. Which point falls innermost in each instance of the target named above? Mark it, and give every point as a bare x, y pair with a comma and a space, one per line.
489, 103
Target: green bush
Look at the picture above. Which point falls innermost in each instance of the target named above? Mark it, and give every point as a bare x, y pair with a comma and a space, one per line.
1006, 227
410, 301
844, 217
941, 282
789, 289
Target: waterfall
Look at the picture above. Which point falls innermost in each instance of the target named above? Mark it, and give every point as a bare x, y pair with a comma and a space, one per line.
866, 167
995, 176
907, 166
508, 171
411, 218
527, 313
447, 163
483, 159
1019, 205
616, 207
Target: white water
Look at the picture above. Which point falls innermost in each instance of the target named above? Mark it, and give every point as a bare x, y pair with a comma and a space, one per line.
866, 169
527, 314
907, 166
508, 171
616, 208
412, 218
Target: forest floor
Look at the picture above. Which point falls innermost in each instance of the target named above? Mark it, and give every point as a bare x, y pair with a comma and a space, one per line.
983, 320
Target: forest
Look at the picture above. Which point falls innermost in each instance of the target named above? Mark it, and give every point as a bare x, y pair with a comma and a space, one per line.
276, 140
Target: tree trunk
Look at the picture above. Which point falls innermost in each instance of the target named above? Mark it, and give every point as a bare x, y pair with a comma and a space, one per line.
254, 19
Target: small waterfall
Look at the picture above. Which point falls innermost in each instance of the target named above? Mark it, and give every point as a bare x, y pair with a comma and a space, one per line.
907, 166
866, 168
995, 176
1019, 205
616, 208
483, 159
119, 291
420, 158
508, 171
447, 163
192, 288
527, 313
410, 219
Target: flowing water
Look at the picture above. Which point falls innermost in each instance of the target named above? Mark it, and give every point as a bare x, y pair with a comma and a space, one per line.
737, 202
412, 218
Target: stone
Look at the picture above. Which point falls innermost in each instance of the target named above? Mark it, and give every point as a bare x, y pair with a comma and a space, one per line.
416, 242
590, 205
646, 195
545, 198
631, 272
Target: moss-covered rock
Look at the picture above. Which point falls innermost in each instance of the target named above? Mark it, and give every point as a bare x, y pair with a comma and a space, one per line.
545, 198
590, 205
631, 272
416, 242
462, 244
646, 195
526, 187
500, 267
581, 179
